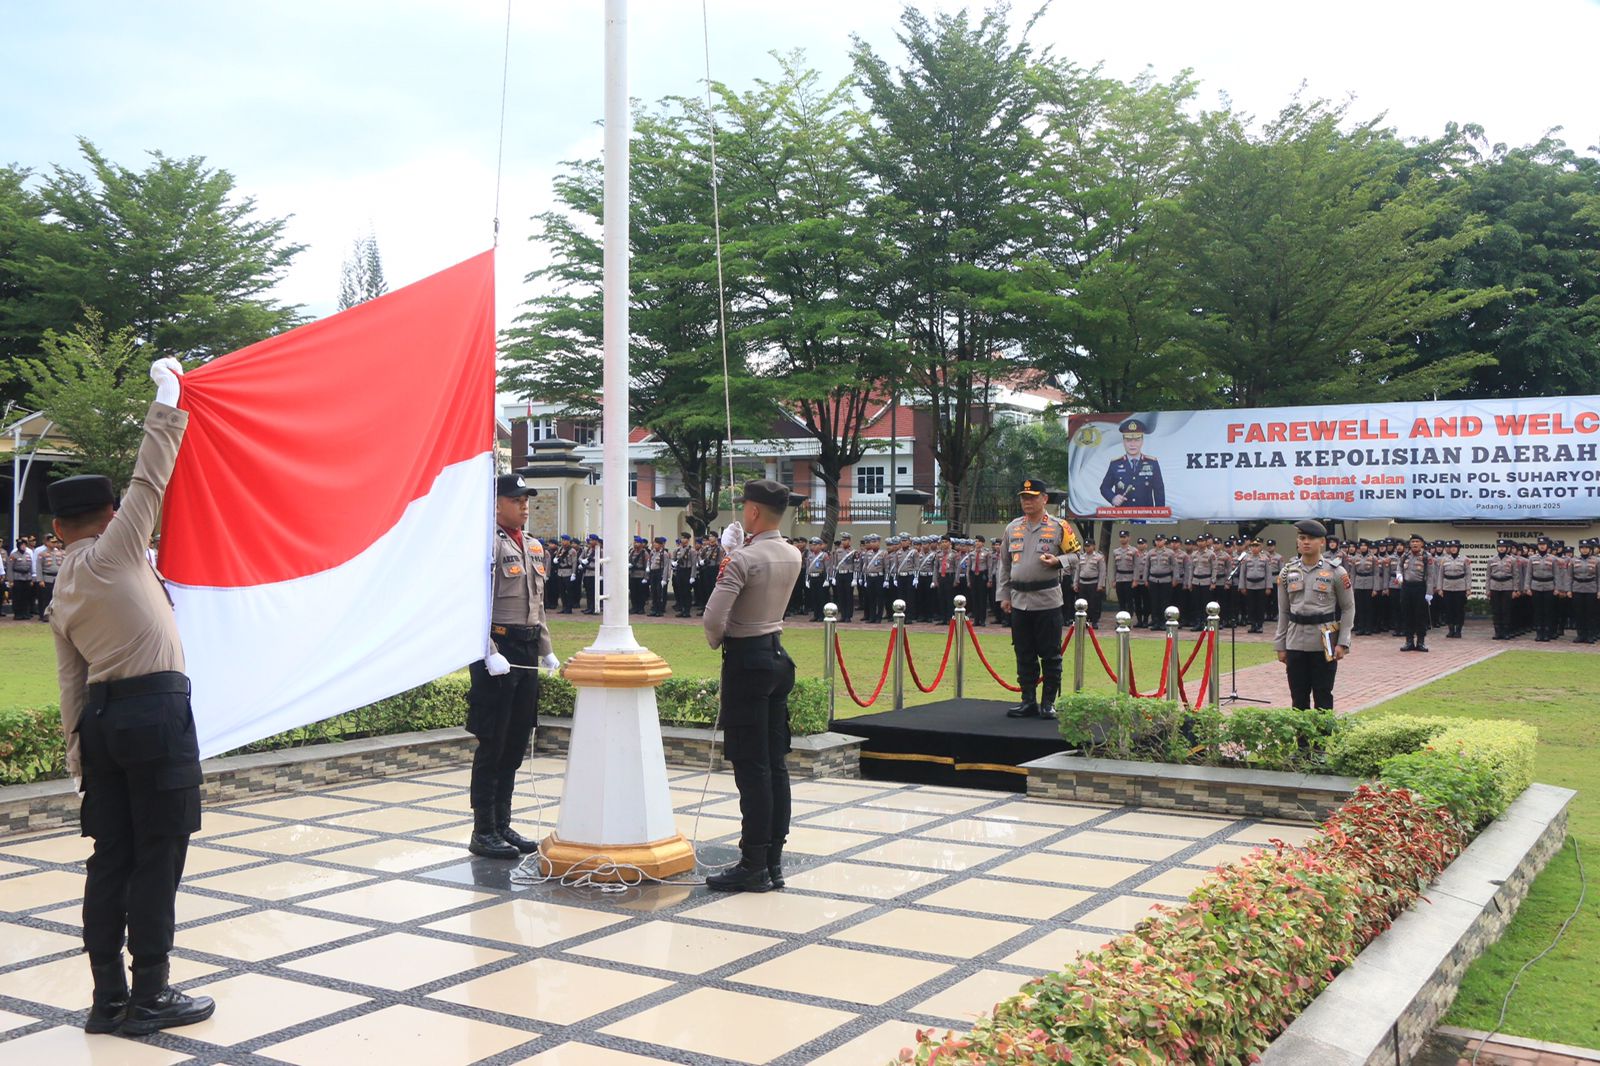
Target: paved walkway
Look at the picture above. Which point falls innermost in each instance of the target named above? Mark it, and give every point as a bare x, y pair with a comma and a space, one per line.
1449, 1046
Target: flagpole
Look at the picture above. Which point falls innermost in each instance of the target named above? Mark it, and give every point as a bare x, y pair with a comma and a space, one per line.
614, 800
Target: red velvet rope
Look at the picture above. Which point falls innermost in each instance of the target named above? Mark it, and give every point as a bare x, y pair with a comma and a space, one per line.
1008, 686
1095, 640
1205, 678
1199, 643
888, 657
1073, 628
1161, 690
949, 642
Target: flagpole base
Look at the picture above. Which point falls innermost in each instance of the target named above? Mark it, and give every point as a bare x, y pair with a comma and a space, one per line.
659, 858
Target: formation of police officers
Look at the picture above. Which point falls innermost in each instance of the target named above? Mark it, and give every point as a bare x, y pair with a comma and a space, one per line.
30, 577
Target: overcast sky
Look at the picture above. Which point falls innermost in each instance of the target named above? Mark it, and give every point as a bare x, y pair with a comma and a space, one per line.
350, 114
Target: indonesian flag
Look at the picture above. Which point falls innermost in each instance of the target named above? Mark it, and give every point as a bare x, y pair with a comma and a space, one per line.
327, 533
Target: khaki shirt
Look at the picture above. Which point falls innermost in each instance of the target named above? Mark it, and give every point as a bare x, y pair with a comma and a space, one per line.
111, 615
753, 591
519, 573
1321, 588
1020, 548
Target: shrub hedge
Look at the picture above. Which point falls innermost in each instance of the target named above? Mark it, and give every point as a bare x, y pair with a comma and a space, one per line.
1113, 726
31, 748
1216, 979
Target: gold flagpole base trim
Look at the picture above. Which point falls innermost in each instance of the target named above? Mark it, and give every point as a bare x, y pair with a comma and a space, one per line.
659, 858
616, 669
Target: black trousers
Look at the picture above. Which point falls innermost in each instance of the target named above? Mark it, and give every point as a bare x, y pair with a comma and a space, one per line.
872, 597
502, 712
757, 677
682, 592
1364, 619
1097, 600
569, 593
1256, 600
1583, 615
845, 596
1036, 640
141, 780
1310, 679
21, 599
705, 580
44, 594
816, 596
1500, 607
1544, 613
1160, 600
1414, 611
638, 593
1455, 608
658, 593
1125, 596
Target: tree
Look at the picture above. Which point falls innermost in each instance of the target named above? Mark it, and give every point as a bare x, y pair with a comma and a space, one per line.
361, 276
554, 349
810, 287
1114, 158
1541, 247
171, 253
1311, 256
95, 387
949, 150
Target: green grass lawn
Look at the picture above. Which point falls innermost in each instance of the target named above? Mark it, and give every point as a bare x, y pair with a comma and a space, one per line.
28, 669
1559, 997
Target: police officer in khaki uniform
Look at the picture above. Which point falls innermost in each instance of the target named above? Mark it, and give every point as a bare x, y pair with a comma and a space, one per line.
1030, 593
1416, 572
1585, 588
130, 735
503, 703
1453, 578
744, 617
1255, 577
1316, 613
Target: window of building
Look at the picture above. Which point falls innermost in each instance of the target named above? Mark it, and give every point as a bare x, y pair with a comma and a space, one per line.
870, 480
541, 428
586, 434
633, 484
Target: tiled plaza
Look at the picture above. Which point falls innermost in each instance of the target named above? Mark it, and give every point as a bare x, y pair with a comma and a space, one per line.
350, 926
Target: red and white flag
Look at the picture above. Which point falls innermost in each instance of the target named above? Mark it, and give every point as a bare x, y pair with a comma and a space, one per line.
327, 532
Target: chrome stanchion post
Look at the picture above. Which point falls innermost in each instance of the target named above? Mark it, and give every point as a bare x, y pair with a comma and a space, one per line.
1124, 651
960, 641
830, 625
1213, 623
1174, 667
898, 632
1080, 626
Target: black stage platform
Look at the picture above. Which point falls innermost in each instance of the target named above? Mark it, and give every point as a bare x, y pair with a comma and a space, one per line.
968, 743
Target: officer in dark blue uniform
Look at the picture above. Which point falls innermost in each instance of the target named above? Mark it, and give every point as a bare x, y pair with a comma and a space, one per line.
1134, 479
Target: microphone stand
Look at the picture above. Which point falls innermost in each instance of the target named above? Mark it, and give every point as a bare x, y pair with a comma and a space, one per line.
1233, 643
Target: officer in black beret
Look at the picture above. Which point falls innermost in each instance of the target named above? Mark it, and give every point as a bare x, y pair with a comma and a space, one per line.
1134, 479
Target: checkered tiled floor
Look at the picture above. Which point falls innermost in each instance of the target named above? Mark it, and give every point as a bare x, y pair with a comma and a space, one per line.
350, 926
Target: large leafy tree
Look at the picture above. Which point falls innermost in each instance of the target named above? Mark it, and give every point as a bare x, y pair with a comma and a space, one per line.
950, 149
1311, 256
1541, 246
812, 267
171, 253
676, 389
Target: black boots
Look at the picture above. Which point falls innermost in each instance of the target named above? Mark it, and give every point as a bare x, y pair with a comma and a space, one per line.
750, 875
110, 1005
502, 825
155, 1004
775, 865
1029, 707
486, 839
1047, 702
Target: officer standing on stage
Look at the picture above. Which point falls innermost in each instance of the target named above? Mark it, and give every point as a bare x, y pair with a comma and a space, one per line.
130, 736
744, 617
1316, 612
1030, 593
503, 702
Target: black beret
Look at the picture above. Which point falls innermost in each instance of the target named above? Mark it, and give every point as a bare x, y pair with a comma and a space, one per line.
1311, 528
767, 493
512, 485
83, 494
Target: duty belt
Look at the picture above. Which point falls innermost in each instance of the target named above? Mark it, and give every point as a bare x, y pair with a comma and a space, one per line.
1313, 619
1033, 586
515, 632
163, 683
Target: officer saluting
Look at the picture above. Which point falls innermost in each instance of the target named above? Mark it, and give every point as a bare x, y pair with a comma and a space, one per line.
503, 703
130, 734
744, 617
1134, 479
1030, 592
1316, 611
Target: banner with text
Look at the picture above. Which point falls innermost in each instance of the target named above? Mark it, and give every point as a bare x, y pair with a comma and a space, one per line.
1489, 459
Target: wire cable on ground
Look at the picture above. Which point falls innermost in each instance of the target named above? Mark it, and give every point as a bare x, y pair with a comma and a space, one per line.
1505, 1004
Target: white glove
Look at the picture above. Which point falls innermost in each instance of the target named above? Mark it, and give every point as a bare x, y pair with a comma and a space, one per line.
1428, 598
732, 536
165, 373
77, 785
550, 662
496, 664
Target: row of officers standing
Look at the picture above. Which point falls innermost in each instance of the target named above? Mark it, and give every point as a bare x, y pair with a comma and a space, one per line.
29, 573
1406, 586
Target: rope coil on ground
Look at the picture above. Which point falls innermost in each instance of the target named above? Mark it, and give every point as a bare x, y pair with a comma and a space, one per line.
984, 659
949, 642
888, 657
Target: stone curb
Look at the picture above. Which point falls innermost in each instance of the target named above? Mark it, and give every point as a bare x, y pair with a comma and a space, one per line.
1216, 789
53, 804
1380, 1011
1465, 1039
